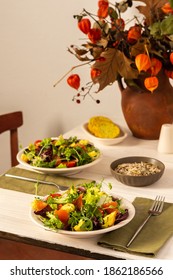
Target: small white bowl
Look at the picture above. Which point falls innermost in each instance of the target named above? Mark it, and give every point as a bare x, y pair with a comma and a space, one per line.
106, 141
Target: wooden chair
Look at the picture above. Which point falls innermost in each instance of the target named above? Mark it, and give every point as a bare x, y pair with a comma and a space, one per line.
11, 122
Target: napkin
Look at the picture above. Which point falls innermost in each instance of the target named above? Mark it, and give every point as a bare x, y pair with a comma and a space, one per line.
153, 236
34, 188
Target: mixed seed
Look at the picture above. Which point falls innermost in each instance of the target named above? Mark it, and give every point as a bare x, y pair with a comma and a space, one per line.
137, 169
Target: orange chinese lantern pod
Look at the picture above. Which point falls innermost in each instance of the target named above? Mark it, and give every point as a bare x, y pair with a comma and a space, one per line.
120, 24
171, 57
103, 8
84, 25
134, 34
151, 83
167, 9
156, 66
169, 74
103, 3
94, 35
74, 81
95, 73
142, 62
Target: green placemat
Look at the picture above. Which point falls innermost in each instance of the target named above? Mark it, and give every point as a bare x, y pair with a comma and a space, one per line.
152, 237
30, 187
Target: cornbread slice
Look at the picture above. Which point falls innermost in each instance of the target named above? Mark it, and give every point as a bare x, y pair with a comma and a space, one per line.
103, 127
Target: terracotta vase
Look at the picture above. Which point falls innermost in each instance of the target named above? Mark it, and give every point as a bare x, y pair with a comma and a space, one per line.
145, 112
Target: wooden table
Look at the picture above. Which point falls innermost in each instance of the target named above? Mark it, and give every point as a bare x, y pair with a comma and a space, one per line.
16, 224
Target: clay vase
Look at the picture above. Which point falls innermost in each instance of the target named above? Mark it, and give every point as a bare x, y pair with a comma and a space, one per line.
145, 112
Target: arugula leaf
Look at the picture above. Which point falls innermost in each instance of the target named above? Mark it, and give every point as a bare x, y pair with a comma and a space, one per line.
52, 153
91, 215
53, 222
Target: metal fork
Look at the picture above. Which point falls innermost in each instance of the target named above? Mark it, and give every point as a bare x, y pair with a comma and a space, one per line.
60, 187
155, 210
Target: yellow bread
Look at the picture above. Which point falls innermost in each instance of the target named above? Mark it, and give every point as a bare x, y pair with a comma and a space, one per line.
103, 127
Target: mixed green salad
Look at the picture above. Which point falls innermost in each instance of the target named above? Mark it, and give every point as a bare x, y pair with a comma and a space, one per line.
81, 208
60, 152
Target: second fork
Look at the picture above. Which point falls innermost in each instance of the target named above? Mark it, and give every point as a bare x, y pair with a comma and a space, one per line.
60, 187
155, 209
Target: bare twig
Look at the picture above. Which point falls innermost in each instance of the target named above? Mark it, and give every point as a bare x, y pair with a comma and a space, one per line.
74, 67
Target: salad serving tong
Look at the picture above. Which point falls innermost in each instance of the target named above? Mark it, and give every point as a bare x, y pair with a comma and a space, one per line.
155, 210
60, 187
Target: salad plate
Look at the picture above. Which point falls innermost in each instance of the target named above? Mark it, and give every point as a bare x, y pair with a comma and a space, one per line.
106, 141
60, 171
69, 157
49, 222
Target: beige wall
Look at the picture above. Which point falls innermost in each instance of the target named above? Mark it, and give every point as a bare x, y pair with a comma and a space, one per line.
34, 36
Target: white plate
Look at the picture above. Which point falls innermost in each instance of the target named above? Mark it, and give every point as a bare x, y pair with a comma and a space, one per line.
106, 141
83, 234
59, 171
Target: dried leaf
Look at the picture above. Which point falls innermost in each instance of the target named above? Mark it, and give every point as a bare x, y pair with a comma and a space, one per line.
79, 53
96, 52
116, 63
139, 47
109, 69
103, 43
151, 9
82, 58
124, 67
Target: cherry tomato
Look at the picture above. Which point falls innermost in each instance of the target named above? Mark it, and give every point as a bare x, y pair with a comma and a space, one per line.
37, 143
101, 211
70, 163
110, 207
78, 202
55, 194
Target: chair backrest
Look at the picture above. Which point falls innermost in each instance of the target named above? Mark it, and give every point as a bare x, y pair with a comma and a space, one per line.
11, 122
